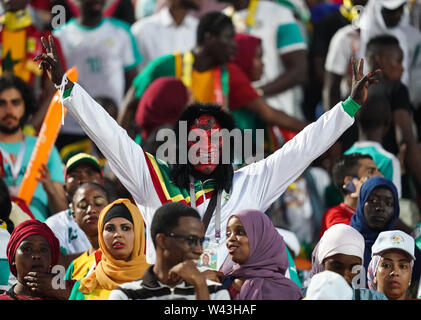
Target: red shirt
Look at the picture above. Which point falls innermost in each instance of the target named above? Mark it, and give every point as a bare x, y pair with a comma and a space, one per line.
341, 213
241, 91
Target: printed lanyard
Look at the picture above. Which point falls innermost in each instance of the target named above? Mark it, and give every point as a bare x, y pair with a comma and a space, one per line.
217, 208
220, 78
19, 159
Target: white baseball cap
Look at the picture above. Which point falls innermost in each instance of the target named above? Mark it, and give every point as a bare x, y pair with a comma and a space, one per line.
394, 239
392, 4
328, 285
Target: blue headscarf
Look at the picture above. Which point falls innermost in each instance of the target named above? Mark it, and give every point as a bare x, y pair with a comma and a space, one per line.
358, 220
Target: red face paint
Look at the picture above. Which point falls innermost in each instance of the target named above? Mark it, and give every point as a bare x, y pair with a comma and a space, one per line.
209, 147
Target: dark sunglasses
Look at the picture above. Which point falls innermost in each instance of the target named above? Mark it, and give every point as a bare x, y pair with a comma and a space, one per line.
192, 241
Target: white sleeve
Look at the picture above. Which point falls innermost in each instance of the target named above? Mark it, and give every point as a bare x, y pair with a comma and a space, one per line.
265, 180
339, 54
117, 294
126, 158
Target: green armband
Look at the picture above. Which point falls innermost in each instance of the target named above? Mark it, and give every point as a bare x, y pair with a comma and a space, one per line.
350, 106
67, 92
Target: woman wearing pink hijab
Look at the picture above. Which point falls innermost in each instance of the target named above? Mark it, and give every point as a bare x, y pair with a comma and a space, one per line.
257, 261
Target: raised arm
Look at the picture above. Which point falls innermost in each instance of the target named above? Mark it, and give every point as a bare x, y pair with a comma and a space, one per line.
272, 175
126, 158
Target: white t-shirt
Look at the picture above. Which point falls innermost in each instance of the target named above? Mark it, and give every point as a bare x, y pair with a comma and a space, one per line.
158, 35
280, 34
71, 237
344, 45
101, 55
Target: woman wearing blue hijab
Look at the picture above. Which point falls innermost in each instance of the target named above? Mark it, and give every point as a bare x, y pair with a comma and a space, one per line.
377, 211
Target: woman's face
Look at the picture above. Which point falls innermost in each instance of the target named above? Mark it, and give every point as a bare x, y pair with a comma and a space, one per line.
344, 264
33, 254
118, 236
237, 241
379, 208
394, 274
258, 65
86, 206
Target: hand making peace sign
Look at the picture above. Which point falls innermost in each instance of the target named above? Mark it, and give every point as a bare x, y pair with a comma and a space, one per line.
50, 62
361, 82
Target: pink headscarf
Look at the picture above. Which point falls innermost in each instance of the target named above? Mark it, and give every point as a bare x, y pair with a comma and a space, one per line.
265, 268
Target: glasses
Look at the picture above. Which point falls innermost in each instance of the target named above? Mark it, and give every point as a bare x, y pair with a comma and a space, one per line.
192, 241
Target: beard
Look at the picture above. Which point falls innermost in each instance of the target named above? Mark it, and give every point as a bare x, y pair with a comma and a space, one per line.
12, 130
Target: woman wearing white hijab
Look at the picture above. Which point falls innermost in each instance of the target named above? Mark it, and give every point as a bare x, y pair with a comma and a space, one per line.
392, 17
341, 250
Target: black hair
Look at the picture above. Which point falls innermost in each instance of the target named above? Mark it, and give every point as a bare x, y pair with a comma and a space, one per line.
378, 45
213, 22
94, 185
8, 81
346, 165
375, 113
166, 217
224, 172
6, 206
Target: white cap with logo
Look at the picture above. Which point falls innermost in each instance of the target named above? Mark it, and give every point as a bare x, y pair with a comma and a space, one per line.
394, 239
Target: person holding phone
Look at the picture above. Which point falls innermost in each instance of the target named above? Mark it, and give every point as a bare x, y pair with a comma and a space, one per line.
348, 173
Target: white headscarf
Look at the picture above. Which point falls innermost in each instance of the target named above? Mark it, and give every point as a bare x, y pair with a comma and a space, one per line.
339, 238
372, 24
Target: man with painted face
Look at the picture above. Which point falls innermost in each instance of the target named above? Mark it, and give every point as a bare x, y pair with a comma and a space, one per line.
153, 182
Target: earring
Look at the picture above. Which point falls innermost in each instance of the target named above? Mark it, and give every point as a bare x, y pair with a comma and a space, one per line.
375, 280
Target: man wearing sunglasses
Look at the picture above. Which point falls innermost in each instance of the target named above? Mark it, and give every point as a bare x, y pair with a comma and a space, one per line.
178, 235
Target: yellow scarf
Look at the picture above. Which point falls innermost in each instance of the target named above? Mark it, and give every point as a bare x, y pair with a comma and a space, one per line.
3, 225
110, 273
348, 10
16, 20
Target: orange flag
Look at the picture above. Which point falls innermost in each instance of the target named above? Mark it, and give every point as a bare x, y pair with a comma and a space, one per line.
45, 142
